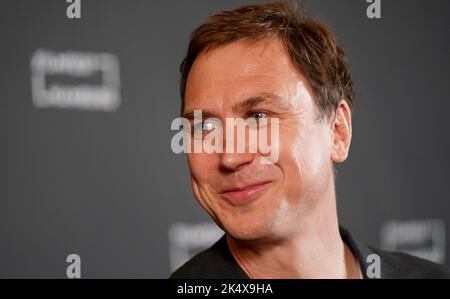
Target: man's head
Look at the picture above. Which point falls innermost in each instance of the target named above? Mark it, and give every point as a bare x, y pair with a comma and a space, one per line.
268, 61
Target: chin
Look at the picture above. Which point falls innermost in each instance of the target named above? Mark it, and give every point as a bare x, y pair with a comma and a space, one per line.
246, 228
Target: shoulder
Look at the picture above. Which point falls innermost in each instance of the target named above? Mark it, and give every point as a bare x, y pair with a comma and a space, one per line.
393, 264
215, 262
403, 265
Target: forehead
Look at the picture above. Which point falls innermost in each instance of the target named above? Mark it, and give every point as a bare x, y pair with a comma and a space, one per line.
228, 74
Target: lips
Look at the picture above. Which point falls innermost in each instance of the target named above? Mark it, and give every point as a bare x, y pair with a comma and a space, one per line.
243, 194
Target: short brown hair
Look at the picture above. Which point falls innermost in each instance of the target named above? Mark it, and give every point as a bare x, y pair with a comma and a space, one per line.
311, 45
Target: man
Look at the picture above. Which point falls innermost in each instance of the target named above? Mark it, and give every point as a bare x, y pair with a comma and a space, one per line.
269, 62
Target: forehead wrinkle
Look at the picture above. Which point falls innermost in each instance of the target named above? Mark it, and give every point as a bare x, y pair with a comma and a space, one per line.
230, 80
252, 101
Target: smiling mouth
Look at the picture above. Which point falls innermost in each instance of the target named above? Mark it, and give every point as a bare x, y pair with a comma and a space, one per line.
244, 195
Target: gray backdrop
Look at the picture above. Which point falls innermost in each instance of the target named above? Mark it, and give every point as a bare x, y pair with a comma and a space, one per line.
105, 184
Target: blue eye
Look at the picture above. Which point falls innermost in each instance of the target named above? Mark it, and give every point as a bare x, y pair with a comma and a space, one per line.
208, 126
205, 127
258, 115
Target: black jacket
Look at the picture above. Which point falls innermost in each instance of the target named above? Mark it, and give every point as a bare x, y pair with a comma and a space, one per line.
217, 262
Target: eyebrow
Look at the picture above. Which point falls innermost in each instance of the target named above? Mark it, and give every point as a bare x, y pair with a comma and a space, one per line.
253, 101
205, 114
247, 104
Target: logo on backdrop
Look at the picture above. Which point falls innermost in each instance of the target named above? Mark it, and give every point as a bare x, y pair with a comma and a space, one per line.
188, 239
75, 80
423, 238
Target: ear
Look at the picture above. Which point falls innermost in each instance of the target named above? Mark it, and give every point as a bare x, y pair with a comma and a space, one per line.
341, 133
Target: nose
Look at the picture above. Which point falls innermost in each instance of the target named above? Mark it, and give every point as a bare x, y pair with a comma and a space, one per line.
235, 161
234, 156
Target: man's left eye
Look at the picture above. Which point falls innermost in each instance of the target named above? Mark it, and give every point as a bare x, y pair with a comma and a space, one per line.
258, 115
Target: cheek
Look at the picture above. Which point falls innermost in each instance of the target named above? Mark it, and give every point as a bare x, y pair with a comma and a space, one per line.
304, 159
201, 166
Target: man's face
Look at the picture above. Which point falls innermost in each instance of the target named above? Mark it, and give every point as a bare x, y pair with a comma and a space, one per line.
246, 198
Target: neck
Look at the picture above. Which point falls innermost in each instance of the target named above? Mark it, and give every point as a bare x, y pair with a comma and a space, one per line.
316, 250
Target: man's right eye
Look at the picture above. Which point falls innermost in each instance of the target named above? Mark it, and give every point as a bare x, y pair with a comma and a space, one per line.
204, 128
